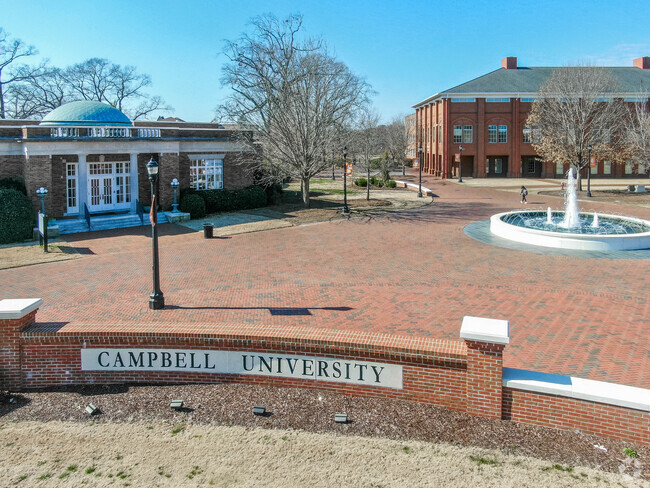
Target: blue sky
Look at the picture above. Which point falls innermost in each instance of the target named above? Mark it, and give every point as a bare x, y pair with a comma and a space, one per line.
406, 50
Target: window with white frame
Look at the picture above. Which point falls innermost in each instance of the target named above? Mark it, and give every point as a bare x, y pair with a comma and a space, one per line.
492, 133
458, 134
206, 174
532, 134
559, 168
468, 134
607, 167
528, 134
528, 100
629, 167
593, 169
71, 187
122, 182
463, 100
503, 133
496, 100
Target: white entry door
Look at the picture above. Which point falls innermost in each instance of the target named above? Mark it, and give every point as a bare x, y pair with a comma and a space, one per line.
108, 186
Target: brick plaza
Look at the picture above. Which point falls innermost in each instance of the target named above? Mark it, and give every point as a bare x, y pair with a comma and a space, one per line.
413, 274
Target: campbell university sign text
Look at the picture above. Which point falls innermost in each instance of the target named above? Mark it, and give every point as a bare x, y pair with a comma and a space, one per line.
243, 362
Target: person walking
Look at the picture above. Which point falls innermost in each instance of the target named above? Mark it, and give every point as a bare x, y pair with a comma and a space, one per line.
523, 194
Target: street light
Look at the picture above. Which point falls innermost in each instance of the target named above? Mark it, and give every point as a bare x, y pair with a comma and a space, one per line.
42, 193
589, 170
420, 169
460, 164
333, 165
346, 210
156, 299
175, 185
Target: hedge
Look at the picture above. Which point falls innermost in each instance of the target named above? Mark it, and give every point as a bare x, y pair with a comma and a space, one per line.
193, 204
229, 200
16, 216
13, 184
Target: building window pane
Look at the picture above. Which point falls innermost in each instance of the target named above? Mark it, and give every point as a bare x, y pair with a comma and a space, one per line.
503, 133
206, 174
628, 167
495, 100
463, 100
71, 187
559, 168
458, 134
531, 165
527, 134
492, 133
498, 166
468, 134
593, 169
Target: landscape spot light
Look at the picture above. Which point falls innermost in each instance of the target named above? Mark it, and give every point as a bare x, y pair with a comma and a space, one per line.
341, 418
91, 409
259, 410
176, 404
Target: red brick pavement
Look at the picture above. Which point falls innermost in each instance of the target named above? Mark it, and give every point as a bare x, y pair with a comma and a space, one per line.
412, 274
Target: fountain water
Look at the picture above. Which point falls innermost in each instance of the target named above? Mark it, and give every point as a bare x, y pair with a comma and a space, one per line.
571, 229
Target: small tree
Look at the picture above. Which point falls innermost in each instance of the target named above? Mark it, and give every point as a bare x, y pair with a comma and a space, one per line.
292, 94
575, 108
367, 141
638, 134
396, 137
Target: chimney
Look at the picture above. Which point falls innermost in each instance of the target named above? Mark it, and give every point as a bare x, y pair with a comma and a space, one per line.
643, 63
511, 62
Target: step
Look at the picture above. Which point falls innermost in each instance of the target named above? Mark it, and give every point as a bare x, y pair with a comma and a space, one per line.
105, 223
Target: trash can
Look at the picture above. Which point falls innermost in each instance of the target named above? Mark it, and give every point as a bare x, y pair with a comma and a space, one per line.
207, 230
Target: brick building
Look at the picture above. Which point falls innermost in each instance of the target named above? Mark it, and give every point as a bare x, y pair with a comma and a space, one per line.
487, 116
92, 160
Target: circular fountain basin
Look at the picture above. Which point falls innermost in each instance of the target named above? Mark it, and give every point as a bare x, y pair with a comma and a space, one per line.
531, 227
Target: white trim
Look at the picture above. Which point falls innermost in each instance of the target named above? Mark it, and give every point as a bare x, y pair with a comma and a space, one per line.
578, 388
485, 330
206, 156
17, 308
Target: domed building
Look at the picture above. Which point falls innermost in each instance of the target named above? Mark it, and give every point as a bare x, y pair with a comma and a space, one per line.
92, 160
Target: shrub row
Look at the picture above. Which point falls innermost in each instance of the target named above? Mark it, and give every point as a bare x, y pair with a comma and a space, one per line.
16, 216
198, 203
13, 184
374, 181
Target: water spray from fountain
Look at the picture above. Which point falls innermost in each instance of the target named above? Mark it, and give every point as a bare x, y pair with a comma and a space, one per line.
571, 213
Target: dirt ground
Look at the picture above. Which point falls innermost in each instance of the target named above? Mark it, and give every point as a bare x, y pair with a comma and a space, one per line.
15, 255
138, 440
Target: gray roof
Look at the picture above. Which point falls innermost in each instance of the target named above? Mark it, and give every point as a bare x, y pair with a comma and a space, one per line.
528, 81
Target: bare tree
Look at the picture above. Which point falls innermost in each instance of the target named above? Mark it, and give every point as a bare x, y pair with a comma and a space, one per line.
638, 134
367, 140
39, 93
12, 50
396, 136
576, 108
120, 86
292, 94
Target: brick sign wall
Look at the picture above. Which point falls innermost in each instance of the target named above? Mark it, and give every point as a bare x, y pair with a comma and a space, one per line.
461, 375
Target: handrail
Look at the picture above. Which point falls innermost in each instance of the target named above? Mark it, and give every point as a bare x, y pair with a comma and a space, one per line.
87, 216
140, 211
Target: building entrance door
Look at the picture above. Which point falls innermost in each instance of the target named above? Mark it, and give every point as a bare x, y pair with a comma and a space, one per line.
108, 186
497, 166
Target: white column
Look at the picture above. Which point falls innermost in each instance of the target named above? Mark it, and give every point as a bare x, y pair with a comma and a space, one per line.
82, 181
135, 194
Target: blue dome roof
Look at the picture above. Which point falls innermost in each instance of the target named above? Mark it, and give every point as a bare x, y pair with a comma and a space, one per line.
86, 112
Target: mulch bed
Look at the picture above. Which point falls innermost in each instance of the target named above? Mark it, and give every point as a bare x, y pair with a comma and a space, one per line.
313, 410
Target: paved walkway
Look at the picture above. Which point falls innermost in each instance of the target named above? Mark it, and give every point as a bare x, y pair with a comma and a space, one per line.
414, 274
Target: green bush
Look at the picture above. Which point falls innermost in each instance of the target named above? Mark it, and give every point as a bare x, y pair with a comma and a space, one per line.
392, 184
13, 184
374, 181
361, 182
274, 194
229, 200
193, 204
16, 216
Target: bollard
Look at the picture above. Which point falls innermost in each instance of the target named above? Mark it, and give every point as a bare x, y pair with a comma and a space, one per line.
207, 230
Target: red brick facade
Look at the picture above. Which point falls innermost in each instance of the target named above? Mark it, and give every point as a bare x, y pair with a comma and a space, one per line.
465, 376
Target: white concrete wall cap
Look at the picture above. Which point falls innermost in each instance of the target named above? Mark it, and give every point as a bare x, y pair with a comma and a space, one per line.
485, 330
17, 308
578, 388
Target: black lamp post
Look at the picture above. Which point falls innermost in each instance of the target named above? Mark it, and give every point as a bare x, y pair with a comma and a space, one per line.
460, 164
42, 193
333, 165
420, 171
589, 170
156, 299
346, 210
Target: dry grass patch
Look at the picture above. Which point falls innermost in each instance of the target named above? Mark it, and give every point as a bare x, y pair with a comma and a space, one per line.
158, 454
16, 255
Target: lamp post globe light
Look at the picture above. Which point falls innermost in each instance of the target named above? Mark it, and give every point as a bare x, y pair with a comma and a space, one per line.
175, 185
42, 192
420, 171
156, 299
589, 170
346, 209
460, 164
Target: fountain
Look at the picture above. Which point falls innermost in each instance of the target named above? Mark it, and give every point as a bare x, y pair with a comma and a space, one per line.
570, 229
